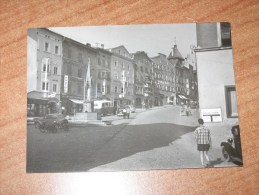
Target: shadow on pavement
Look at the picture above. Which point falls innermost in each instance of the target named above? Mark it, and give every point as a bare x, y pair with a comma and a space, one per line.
215, 162
81, 149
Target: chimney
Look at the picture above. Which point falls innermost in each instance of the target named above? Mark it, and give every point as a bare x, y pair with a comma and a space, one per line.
102, 46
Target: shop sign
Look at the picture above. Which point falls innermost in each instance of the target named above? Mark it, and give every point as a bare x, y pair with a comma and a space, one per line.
65, 83
211, 115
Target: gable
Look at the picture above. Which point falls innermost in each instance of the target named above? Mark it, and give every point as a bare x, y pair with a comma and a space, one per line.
121, 50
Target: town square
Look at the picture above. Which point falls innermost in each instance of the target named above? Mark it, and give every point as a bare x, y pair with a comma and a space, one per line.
100, 107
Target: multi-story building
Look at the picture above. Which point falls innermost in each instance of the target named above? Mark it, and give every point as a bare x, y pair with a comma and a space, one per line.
215, 73
177, 61
44, 66
102, 75
163, 77
143, 80
122, 76
190, 79
76, 58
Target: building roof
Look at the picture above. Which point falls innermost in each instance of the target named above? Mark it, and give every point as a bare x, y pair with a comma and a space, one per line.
140, 55
121, 46
175, 54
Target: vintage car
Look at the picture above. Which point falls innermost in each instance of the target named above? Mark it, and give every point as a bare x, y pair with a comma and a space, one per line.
231, 149
120, 111
104, 107
193, 104
132, 108
51, 123
124, 112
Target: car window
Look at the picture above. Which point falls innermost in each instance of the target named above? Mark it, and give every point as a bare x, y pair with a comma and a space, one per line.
51, 116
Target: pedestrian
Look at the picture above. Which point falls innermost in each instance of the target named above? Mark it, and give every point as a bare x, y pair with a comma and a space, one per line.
128, 111
188, 111
203, 141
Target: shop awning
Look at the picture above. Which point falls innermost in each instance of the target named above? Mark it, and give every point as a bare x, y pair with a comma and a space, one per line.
37, 101
77, 101
183, 97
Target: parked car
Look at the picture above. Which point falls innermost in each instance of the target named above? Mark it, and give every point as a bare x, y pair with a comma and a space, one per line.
120, 111
104, 107
231, 149
124, 111
51, 123
132, 108
193, 104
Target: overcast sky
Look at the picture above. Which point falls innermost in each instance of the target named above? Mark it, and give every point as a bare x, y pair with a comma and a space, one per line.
153, 39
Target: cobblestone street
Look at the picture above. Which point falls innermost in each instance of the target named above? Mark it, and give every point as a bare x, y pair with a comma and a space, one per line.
150, 139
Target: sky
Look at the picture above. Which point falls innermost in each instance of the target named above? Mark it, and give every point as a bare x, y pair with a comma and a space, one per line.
153, 39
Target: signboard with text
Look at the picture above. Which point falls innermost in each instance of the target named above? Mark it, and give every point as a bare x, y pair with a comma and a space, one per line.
211, 115
65, 83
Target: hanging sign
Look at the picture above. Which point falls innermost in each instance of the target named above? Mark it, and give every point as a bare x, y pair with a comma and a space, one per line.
65, 83
211, 115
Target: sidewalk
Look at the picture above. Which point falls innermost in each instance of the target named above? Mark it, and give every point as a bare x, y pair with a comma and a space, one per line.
181, 153
109, 120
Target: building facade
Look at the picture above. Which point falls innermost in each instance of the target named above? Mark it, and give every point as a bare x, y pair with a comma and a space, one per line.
143, 80
164, 77
76, 57
44, 67
216, 83
176, 59
122, 76
102, 75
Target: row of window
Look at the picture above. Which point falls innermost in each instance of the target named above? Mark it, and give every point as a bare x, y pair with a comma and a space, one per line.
104, 75
103, 62
45, 86
164, 77
162, 67
146, 70
46, 66
123, 66
165, 88
47, 47
120, 90
122, 53
122, 77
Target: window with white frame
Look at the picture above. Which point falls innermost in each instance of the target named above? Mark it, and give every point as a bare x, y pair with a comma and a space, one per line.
56, 49
47, 46
54, 87
55, 70
116, 75
45, 65
231, 101
45, 86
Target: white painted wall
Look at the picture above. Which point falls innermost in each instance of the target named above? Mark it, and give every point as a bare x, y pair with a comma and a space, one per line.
214, 72
31, 61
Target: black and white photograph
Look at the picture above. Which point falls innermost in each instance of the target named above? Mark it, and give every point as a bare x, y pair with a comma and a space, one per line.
131, 98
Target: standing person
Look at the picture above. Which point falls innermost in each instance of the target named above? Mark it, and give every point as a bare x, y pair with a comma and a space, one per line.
203, 140
188, 111
128, 111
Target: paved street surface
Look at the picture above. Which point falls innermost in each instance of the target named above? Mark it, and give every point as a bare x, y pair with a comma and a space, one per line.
150, 139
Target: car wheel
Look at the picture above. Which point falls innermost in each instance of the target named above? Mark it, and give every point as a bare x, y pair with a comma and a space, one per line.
42, 130
225, 154
56, 127
65, 126
37, 125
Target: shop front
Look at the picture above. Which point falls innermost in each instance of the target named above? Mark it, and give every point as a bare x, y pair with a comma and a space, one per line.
39, 106
182, 99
